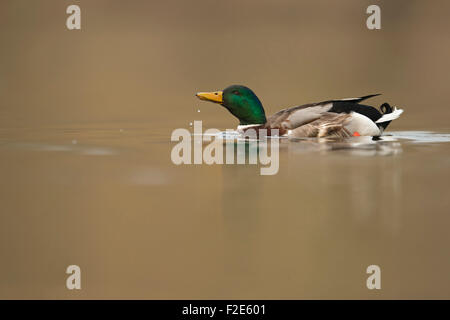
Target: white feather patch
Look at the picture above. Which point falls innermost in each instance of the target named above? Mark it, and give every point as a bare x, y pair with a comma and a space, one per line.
242, 127
362, 124
390, 116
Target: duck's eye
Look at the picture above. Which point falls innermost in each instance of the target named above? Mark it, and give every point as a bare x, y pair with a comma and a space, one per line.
236, 92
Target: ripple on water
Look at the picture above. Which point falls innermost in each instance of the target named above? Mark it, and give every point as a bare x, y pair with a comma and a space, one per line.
413, 136
421, 136
388, 144
72, 148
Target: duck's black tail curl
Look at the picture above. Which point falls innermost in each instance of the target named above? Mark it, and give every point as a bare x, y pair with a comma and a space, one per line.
385, 108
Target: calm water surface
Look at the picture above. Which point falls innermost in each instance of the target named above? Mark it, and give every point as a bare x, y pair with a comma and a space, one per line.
109, 199
86, 176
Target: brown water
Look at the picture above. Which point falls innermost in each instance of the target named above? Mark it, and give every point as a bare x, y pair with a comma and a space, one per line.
87, 179
109, 200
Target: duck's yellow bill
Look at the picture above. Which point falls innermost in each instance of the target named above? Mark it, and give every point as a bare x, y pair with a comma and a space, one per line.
210, 96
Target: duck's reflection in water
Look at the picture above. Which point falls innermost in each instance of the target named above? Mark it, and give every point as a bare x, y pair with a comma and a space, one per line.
367, 171
358, 146
334, 185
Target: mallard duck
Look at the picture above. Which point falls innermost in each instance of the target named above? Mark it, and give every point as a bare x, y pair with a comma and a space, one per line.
332, 118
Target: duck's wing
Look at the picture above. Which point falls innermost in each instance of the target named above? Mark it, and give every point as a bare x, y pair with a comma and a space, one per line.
358, 100
330, 125
291, 118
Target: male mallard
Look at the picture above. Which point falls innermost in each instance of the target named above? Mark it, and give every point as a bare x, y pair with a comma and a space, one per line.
335, 118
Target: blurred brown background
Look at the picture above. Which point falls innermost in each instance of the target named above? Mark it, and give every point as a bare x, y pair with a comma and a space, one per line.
86, 175
144, 60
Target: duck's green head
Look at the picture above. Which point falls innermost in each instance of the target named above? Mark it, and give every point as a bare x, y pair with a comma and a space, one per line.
240, 101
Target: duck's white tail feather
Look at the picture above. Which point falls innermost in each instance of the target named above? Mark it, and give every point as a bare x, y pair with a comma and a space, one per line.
390, 116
